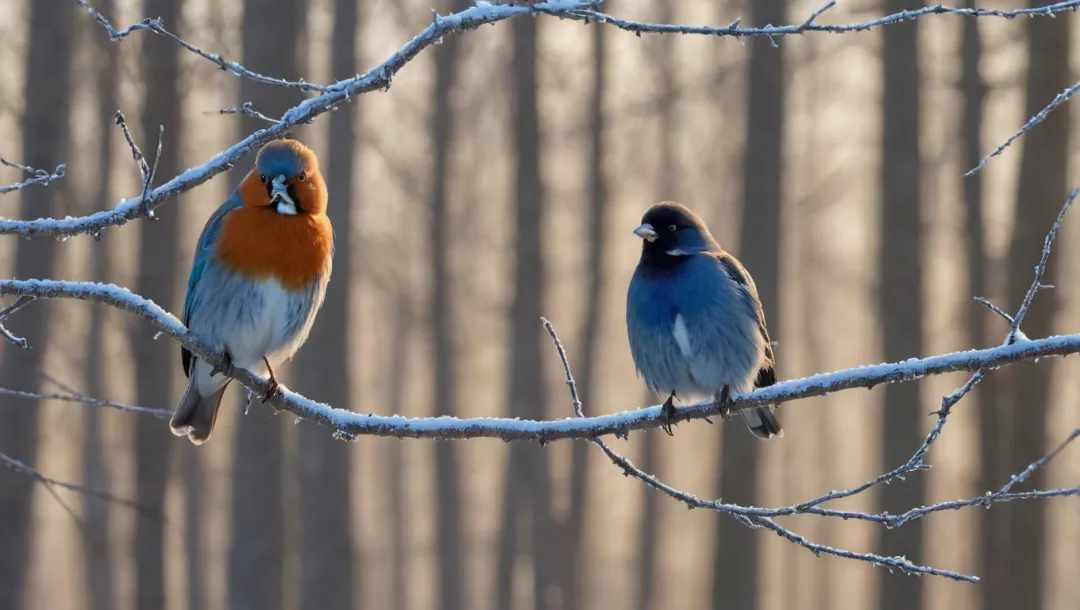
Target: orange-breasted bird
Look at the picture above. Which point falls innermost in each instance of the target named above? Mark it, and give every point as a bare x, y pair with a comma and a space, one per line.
258, 279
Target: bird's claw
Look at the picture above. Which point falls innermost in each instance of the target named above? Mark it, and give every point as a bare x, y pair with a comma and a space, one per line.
273, 383
725, 405
667, 411
226, 366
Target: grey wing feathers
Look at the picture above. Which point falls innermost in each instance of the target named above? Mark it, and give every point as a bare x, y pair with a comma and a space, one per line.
734, 269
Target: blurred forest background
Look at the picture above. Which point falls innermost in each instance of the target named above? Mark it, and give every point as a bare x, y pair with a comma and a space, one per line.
498, 181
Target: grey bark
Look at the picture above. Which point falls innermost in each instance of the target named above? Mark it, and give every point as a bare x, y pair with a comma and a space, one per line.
46, 143
444, 390
527, 494
1040, 194
735, 567
272, 34
327, 561
900, 295
156, 280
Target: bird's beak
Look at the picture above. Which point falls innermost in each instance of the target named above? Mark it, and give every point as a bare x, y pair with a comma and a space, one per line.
279, 195
646, 232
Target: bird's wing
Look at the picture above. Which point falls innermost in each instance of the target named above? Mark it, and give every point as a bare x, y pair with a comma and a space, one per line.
203, 252
734, 270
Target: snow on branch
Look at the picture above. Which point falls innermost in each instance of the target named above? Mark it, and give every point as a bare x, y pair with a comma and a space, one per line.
37, 176
811, 24
765, 518
350, 424
331, 96
1058, 100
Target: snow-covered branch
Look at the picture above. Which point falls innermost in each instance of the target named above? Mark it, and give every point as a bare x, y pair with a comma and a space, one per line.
811, 24
332, 96
765, 518
351, 424
37, 176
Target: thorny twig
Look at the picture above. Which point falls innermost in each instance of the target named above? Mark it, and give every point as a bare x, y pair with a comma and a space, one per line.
38, 176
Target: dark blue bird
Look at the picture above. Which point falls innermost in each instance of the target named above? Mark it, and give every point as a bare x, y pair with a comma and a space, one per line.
694, 319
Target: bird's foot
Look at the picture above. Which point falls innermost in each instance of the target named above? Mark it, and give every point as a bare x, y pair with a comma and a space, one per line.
273, 383
226, 366
668, 413
725, 404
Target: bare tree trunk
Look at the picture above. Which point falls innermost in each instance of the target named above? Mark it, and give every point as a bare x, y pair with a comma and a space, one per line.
735, 566
648, 545
395, 395
272, 33
46, 141
1041, 191
326, 551
444, 390
992, 469
156, 280
527, 474
97, 555
571, 540
900, 295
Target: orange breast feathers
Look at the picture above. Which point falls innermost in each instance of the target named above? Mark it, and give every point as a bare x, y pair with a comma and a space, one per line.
262, 244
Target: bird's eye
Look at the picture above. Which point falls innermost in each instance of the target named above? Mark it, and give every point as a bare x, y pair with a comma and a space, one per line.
671, 228
262, 178
302, 176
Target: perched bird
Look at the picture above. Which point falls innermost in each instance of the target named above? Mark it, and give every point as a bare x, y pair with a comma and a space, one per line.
694, 319
259, 277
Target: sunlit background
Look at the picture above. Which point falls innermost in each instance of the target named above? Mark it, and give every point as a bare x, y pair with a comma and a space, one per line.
498, 181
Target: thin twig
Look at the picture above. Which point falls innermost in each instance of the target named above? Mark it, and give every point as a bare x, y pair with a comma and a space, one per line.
157, 27
1058, 100
19, 303
381, 76
745, 515
247, 110
71, 395
811, 24
38, 176
23, 468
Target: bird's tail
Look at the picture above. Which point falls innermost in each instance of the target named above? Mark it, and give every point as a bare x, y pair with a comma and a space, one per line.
195, 416
762, 422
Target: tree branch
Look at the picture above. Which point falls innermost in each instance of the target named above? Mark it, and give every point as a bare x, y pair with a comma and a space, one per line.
765, 517
38, 176
811, 24
332, 96
350, 424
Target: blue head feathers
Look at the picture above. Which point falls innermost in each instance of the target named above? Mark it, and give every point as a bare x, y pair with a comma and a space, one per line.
283, 158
